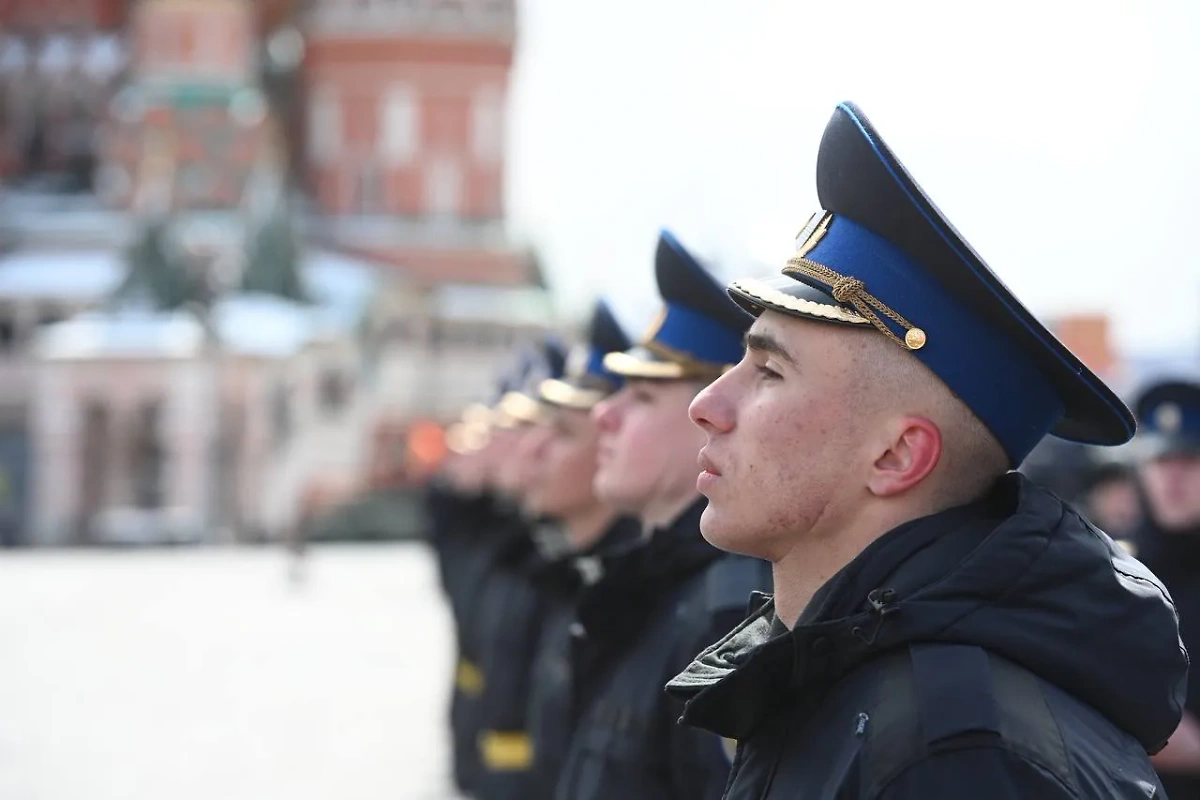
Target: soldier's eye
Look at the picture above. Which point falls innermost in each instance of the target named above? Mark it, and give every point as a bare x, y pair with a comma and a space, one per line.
767, 373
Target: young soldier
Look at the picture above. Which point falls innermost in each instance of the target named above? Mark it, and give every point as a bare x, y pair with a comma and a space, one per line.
468, 523
1168, 541
662, 601
561, 487
481, 533
505, 622
941, 627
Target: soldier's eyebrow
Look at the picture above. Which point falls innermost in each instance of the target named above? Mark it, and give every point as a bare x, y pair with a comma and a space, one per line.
765, 343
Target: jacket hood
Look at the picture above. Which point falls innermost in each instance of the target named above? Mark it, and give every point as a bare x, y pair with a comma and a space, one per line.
1019, 573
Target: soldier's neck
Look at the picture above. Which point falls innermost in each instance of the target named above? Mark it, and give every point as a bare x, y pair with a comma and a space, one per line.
819, 554
663, 511
795, 584
585, 527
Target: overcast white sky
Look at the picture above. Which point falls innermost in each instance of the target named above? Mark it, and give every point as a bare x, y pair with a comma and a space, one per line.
1059, 136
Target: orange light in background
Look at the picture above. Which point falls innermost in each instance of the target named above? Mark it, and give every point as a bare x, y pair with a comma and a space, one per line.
426, 446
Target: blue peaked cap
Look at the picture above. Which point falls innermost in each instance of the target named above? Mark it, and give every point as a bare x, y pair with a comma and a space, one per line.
1169, 417
605, 335
697, 334
517, 390
535, 361
881, 257
587, 381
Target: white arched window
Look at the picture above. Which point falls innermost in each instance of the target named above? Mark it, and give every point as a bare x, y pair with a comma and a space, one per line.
443, 187
487, 125
325, 126
399, 137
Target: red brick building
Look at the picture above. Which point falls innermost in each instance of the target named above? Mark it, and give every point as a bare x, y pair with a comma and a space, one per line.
192, 97
406, 117
43, 16
60, 61
87, 87
391, 115
398, 127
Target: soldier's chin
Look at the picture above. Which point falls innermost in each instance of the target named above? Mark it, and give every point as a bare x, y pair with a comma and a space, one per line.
724, 533
611, 488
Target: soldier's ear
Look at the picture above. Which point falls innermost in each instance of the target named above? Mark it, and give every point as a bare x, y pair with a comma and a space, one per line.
913, 452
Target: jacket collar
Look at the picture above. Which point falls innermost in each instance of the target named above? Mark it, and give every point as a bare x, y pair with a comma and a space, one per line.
732, 686
645, 571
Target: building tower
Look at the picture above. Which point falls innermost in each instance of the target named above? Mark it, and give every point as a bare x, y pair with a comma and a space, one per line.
407, 102
59, 63
193, 77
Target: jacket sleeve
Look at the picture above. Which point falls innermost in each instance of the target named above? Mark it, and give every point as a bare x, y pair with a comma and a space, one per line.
984, 773
504, 745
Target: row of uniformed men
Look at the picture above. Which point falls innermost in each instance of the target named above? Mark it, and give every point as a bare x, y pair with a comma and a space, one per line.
939, 626
569, 627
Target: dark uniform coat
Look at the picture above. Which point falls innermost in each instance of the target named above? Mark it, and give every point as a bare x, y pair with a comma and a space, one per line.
1005, 649
473, 536
551, 711
455, 521
505, 625
655, 609
1175, 558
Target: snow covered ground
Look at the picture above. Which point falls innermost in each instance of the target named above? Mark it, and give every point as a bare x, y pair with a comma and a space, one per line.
206, 674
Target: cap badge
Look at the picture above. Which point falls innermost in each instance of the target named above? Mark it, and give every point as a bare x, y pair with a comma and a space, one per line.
812, 233
846, 289
1168, 418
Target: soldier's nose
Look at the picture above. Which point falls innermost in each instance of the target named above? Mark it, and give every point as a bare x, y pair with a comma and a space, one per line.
711, 409
605, 415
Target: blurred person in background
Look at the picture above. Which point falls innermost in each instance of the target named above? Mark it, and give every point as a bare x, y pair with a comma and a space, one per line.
673, 593
1168, 542
1110, 498
463, 510
1061, 466
457, 497
561, 488
477, 525
941, 626
506, 622
1098, 481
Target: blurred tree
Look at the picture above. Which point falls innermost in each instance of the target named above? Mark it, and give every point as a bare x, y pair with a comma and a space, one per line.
273, 257
156, 273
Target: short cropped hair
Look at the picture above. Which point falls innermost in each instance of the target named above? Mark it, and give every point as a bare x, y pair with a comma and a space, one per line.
892, 379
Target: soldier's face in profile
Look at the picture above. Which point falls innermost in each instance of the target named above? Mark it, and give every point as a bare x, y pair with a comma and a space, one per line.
782, 438
647, 449
1173, 491
562, 464
511, 460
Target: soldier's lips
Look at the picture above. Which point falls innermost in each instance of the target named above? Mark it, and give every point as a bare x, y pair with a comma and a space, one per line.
706, 463
709, 473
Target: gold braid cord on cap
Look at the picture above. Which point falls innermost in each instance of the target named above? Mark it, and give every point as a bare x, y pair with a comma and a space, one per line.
849, 290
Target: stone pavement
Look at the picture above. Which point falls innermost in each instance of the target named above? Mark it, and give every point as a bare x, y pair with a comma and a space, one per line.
180, 674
